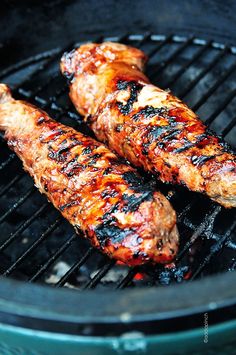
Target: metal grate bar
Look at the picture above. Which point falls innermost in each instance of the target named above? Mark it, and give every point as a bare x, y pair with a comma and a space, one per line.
162, 44
56, 255
145, 39
211, 65
128, 278
217, 247
26, 62
8, 161
45, 85
48, 103
56, 75
231, 244
44, 66
23, 226
11, 183
206, 223
124, 39
209, 234
222, 78
229, 127
102, 272
17, 204
166, 62
186, 208
32, 247
34, 94
197, 55
75, 267
222, 107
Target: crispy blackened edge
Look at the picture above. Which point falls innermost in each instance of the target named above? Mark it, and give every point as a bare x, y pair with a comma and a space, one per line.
135, 88
150, 111
67, 58
106, 232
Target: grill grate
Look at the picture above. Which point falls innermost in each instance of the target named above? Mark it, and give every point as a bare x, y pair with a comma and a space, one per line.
37, 244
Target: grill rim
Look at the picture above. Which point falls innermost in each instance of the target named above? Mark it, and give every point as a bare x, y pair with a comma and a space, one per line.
43, 307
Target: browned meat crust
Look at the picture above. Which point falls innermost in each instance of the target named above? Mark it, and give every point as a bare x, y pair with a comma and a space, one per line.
148, 126
108, 200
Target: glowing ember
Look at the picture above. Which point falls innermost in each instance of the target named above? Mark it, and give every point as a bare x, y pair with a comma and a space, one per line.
139, 276
188, 275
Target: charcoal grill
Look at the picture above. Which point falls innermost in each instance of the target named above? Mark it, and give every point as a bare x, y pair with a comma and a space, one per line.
54, 282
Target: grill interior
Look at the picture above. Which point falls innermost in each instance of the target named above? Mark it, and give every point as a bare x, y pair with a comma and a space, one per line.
38, 245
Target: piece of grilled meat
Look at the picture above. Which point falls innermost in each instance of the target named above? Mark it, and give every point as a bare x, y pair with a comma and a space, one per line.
120, 214
148, 126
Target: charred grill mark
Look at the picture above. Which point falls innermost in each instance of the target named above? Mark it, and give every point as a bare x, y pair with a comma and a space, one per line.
150, 111
61, 155
131, 178
72, 167
200, 160
171, 135
119, 128
160, 244
145, 147
132, 202
107, 171
108, 232
75, 139
41, 120
135, 181
65, 149
107, 216
53, 136
61, 152
167, 164
135, 88
161, 145
169, 131
86, 150
93, 159
67, 205
156, 131
59, 158
188, 145
108, 193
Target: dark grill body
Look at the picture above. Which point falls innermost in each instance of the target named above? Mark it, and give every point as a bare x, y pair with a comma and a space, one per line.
39, 248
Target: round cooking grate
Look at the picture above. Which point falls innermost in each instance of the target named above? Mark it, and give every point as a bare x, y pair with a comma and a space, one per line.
38, 245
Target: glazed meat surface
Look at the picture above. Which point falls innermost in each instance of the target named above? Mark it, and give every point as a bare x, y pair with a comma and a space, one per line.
118, 212
148, 126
